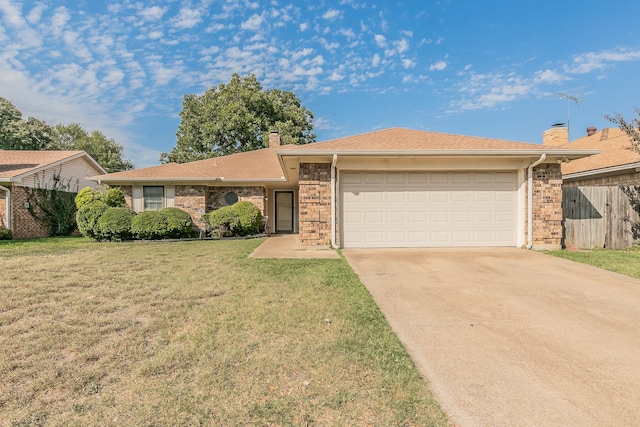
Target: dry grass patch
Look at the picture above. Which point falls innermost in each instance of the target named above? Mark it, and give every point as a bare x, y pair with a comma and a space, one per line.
195, 333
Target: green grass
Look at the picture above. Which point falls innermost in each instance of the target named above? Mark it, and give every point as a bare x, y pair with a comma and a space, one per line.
195, 333
625, 261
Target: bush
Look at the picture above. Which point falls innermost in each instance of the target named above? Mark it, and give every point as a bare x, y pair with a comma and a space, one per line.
163, 224
88, 216
249, 216
5, 233
111, 196
241, 219
115, 224
179, 223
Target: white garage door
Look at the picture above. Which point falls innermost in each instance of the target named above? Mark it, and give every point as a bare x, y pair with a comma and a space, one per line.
428, 209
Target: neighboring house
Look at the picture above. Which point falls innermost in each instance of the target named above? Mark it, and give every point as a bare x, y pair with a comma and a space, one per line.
22, 168
599, 210
390, 188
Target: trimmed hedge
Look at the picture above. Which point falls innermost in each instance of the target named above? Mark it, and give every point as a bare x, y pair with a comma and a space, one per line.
5, 233
115, 224
241, 219
166, 223
88, 216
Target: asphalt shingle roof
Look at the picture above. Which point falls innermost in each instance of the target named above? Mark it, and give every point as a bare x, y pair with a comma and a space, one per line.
614, 144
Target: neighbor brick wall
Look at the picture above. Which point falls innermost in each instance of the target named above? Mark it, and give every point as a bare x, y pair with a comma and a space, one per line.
191, 199
632, 178
315, 204
23, 225
547, 206
215, 197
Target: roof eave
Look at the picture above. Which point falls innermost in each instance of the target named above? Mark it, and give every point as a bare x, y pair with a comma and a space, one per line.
602, 171
573, 154
99, 178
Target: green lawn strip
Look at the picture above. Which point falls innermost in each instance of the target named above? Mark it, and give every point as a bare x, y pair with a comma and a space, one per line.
626, 261
192, 333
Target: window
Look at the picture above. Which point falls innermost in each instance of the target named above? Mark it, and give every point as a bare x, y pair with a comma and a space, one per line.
152, 198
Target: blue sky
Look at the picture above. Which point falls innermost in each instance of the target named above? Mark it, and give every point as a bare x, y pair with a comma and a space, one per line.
488, 68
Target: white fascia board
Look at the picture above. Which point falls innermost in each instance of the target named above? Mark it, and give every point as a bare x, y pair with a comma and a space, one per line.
183, 180
502, 153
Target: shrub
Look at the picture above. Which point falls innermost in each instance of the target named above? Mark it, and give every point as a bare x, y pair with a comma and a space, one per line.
5, 233
85, 196
149, 225
115, 224
88, 216
249, 216
163, 224
179, 223
224, 222
111, 196
241, 219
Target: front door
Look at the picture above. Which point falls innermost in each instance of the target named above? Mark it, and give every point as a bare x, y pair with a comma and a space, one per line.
284, 211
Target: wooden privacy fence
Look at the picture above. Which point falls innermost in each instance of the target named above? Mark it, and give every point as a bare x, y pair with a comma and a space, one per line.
600, 217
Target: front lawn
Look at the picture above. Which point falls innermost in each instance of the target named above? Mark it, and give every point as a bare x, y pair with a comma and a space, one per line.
195, 333
625, 261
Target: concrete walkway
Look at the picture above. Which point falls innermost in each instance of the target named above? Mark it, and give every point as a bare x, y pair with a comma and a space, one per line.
288, 246
509, 337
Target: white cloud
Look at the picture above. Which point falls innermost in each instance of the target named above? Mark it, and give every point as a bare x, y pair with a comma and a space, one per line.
336, 76
402, 45
592, 61
187, 18
253, 23
59, 20
152, 13
408, 63
304, 26
331, 14
381, 40
35, 14
154, 35
438, 66
375, 61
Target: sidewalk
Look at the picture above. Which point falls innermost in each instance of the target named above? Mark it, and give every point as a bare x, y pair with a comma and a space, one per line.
288, 246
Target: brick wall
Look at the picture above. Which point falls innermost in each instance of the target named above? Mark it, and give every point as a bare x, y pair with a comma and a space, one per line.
23, 225
191, 199
128, 195
215, 197
632, 178
315, 204
547, 206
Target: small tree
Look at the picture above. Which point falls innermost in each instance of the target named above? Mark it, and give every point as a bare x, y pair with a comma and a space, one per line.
52, 203
631, 128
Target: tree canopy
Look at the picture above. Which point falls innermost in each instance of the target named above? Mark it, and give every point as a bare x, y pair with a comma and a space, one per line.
105, 150
17, 133
236, 117
631, 128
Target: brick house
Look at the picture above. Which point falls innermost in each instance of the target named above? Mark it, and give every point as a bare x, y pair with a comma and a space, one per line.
20, 169
389, 188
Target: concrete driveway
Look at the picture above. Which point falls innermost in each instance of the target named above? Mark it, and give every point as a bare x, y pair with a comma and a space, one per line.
513, 337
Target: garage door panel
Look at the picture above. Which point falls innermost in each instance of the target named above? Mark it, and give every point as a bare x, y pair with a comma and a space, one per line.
422, 209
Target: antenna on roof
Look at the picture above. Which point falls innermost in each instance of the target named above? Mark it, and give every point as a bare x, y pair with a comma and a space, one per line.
569, 98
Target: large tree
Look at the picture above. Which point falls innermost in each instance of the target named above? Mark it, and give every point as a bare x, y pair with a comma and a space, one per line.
17, 133
236, 117
631, 128
105, 150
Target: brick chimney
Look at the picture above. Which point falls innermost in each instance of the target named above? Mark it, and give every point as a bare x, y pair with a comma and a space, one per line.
274, 139
558, 135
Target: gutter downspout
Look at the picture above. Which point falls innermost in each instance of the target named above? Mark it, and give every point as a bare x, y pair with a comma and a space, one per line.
8, 207
333, 201
530, 199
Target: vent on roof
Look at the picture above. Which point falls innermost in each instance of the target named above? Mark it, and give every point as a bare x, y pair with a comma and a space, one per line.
605, 134
591, 130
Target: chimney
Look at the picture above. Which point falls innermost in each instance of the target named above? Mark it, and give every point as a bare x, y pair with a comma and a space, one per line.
591, 130
557, 135
274, 139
